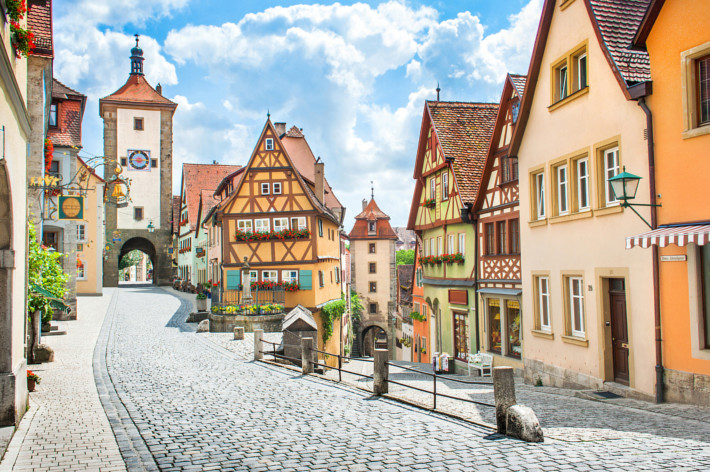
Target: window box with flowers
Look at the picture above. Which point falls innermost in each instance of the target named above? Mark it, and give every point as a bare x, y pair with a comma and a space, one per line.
286, 234
429, 203
22, 39
456, 258
48, 154
430, 260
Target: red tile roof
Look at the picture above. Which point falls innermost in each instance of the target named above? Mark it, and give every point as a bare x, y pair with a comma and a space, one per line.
70, 112
39, 21
138, 90
383, 229
519, 83
618, 21
303, 159
207, 201
199, 177
464, 131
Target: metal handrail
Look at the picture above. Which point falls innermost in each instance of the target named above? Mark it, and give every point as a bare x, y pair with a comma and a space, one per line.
467, 382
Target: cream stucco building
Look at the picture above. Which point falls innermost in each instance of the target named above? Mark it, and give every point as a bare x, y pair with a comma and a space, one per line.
90, 235
587, 302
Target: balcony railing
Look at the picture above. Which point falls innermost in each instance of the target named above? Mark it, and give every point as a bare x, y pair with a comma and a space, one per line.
262, 301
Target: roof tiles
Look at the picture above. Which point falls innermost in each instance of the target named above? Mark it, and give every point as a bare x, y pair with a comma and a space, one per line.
464, 132
383, 229
198, 177
618, 21
137, 89
39, 21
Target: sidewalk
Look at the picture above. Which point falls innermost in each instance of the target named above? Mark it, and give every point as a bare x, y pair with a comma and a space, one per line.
66, 427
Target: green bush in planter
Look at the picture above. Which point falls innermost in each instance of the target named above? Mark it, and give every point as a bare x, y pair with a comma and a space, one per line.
201, 296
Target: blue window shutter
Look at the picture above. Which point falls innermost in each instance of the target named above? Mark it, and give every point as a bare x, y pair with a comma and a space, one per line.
233, 279
305, 279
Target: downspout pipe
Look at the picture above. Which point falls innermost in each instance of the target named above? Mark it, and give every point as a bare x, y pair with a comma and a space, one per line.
654, 249
476, 267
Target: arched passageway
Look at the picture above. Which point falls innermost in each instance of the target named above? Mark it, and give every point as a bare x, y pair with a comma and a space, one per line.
139, 260
373, 337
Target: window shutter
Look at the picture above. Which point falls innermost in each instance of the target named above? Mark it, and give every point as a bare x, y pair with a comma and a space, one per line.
305, 278
233, 279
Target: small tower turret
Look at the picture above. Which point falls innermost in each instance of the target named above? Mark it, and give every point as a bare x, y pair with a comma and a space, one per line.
137, 59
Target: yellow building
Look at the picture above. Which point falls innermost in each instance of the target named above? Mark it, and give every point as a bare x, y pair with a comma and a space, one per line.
587, 310
281, 223
90, 234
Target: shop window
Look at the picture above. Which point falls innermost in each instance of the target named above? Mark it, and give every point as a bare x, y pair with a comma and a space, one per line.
460, 335
512, 314
494, 338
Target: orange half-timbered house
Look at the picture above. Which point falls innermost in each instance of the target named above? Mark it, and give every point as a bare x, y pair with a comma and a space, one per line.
453, 145
281, 224
499, 284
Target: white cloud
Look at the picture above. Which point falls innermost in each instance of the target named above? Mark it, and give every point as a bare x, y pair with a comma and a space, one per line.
116, 13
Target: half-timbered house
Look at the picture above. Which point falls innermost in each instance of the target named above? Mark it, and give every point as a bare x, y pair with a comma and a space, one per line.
499, 285
453, 144
281, 224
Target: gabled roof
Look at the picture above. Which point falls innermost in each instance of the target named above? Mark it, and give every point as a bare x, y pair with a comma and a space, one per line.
464, 131
615, 22
303, 159
646, 24
199, 177
317, 204
207, 202
39, 21
299, 313
61, 91
69, 116
512, 82
138, 91
383, 229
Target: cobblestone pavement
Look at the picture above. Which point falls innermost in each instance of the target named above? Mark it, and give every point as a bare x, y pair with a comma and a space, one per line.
198, 406
66, 427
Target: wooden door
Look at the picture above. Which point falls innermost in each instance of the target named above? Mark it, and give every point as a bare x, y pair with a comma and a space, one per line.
619, 331
460, 335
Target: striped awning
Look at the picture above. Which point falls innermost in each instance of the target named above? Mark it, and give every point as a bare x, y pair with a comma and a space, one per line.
678, 235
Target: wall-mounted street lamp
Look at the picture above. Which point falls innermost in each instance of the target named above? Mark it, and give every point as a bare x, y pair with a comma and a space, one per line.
151, 226
624, 186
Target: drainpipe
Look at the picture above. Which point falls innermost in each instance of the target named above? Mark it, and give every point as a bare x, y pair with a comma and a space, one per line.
654, 249
475, 259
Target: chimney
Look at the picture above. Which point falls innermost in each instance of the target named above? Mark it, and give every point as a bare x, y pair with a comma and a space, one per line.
364, 203
159, 89
280, 129
319, 180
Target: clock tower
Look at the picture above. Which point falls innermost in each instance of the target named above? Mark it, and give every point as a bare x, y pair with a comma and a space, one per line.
138, 140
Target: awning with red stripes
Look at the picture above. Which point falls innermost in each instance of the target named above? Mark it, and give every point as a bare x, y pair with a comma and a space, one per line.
678, 235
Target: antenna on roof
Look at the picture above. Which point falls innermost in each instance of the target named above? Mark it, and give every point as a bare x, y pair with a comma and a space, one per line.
437, 91
372, 190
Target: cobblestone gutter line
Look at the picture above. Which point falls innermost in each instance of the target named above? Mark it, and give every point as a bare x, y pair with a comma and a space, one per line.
133, 449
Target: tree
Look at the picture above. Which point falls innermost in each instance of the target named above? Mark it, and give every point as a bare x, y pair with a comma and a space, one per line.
405, 256
130, 259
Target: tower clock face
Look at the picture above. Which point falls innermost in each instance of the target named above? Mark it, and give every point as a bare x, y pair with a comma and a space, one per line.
139, 160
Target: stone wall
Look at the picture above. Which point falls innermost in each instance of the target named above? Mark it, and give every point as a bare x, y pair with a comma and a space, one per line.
686, 387
227, 323
555, 376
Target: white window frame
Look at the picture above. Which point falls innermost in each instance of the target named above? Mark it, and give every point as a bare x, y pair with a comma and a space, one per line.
576, 301
276, 188
438, 246
269, 144
280, 224
445, 186
289, 276
265, 188
582, 183
432, 187
270, 276
81, 275
262, 225
80, 233
543, 299
562, 190
562, 91
462, 243
451, 244
245, 226
609, 172
300, 223
579, 71
540, 195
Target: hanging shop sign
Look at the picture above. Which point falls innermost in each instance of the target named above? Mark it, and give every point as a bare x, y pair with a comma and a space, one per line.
71, 207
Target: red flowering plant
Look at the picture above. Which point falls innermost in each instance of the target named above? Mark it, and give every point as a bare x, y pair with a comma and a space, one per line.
452, 258
267, 235
48, 154
265, 285
22, 39
291, 286
32, 376
430, 260
430, 202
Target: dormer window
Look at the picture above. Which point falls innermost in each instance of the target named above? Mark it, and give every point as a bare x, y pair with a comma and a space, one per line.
371, 226
269, 144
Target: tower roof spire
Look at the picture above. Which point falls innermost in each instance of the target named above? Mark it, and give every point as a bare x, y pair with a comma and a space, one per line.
136, 58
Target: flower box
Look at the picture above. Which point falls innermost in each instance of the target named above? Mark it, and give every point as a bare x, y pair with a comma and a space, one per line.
286, 234
429, 203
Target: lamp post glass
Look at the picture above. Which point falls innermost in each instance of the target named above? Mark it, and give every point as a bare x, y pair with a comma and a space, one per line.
624, 185
151, 226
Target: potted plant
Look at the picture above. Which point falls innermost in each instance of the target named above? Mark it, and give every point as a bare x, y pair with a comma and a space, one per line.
201, 302
32, 380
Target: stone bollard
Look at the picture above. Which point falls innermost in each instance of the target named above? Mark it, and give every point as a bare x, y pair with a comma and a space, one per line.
258, 344
380, 372
307, 355
239, 332
504, 393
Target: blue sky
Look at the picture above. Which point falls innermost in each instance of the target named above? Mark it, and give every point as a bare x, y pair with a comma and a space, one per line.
353, 75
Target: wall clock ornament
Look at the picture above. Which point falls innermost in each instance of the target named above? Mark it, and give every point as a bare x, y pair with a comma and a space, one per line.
139, 160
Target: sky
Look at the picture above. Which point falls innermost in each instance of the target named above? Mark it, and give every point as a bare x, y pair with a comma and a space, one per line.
353, 75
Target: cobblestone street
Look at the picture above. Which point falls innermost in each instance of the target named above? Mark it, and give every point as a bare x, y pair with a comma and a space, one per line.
191, 404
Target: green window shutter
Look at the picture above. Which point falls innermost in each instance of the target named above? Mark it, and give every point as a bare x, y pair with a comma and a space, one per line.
233, 279
305, 279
